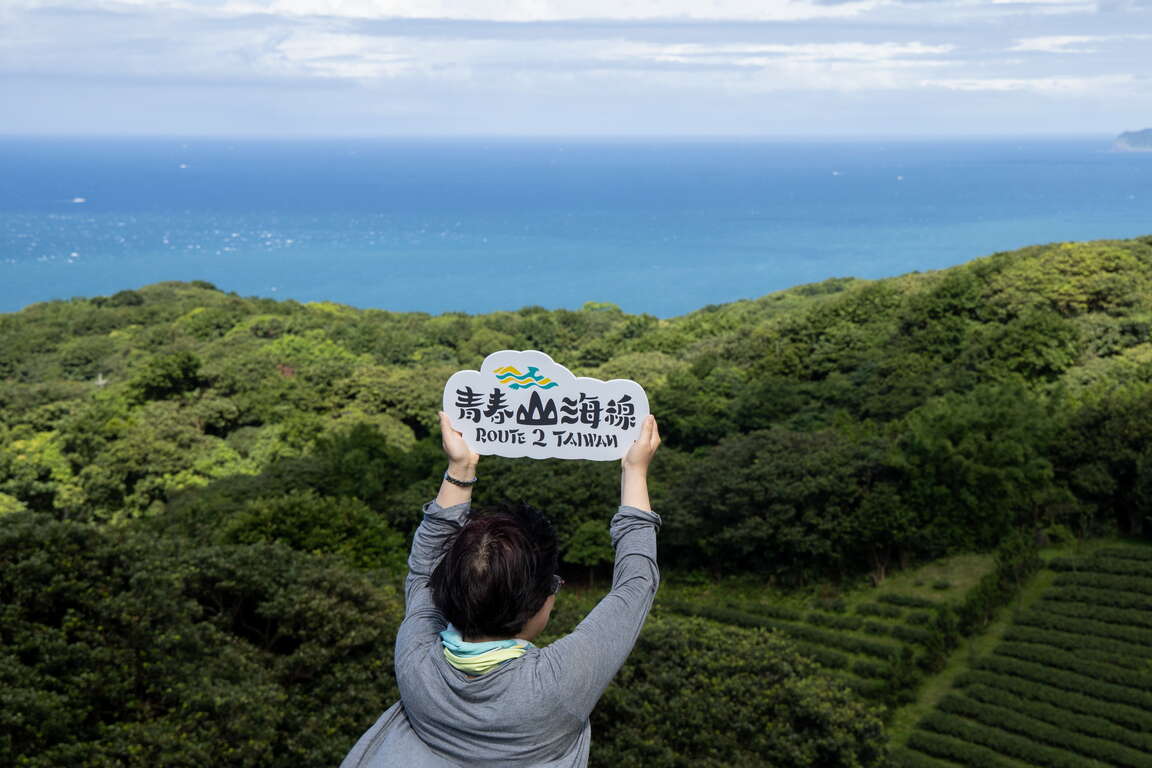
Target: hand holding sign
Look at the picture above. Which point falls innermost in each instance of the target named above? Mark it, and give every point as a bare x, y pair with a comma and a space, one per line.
523, 403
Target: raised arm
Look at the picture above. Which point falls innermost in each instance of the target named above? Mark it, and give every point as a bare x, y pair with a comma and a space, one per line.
442, 518
587, 659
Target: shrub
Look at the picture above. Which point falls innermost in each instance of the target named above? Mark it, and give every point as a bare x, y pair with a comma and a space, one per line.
1121, 616
761, 704
834, 621
1069, 681
1123, 715
879, 609
1039, 618
1074, 662
1043, 734
1118, 566
908, 601
1087, 647
120, 648
958, 751
308, 522
1007, 744
166, 375
1069, 720
1130, 600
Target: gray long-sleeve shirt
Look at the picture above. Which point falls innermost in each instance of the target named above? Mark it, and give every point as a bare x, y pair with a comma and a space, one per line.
531, 711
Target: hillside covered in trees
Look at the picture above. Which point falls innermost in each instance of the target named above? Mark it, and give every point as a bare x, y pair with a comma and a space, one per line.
206, 498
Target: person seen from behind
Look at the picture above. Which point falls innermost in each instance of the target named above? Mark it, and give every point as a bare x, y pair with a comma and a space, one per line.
481, 585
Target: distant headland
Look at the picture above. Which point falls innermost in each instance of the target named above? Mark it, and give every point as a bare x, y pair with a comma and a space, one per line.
1134, 141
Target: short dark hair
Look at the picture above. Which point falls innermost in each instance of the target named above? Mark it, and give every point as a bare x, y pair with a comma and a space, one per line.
496, 571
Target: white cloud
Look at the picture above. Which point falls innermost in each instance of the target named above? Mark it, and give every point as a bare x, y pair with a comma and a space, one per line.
1051, 6
843, 66
644, 60
328, 54
500, 10
1042, 85
762, 54
1069, 43
563, 10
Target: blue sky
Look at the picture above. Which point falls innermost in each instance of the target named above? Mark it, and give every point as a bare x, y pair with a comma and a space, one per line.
584, 67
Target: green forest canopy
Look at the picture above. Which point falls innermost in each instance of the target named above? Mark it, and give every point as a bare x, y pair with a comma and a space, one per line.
823, 430
819, 433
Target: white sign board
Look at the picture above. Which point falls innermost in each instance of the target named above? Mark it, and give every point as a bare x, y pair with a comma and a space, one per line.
526, 404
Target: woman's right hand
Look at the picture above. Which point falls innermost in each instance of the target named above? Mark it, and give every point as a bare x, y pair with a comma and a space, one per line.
639, 456
460, 454
634, 472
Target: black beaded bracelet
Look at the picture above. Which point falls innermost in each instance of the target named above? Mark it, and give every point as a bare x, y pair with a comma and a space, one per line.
461, 483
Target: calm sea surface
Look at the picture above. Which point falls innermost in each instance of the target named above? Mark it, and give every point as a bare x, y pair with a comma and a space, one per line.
654, 226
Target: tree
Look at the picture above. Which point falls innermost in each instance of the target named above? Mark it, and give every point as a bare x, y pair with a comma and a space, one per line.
973, 465
590, 546
679, 702
166, 375
773, 501
121, 648
308, 522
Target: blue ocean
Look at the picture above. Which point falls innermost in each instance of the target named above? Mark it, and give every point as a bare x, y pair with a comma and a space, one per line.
663, 227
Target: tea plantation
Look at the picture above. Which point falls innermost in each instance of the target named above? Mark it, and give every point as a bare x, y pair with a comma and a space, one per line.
1069, 686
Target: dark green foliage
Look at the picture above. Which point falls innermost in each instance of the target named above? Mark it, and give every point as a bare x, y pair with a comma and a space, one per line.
774, 500
865, 668
1071, 684
167, 375
1058, 659
1066, 718
1008, 744
1118, 566
1124, 553
880, 609
799, 631
920, 618
902, 757
816, 434
908, 601
1105, 451
126, 299
1069, 681
677, 702
590, 545
1042, 733
343, 526
124, 649
1043, 620
911, 634
1109, 651
1122, 616
1126, 716
1016, 560
1095, 587
976, 462
834, 621
960, 751
775, 610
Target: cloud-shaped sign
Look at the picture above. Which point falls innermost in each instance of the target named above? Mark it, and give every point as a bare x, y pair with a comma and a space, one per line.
523, 403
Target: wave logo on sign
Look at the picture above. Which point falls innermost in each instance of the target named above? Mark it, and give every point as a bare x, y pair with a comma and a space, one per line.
511, 377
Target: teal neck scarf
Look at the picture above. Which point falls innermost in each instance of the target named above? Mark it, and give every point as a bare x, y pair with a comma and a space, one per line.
478, 658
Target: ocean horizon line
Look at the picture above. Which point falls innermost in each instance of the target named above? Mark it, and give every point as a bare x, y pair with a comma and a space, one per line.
589, 138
